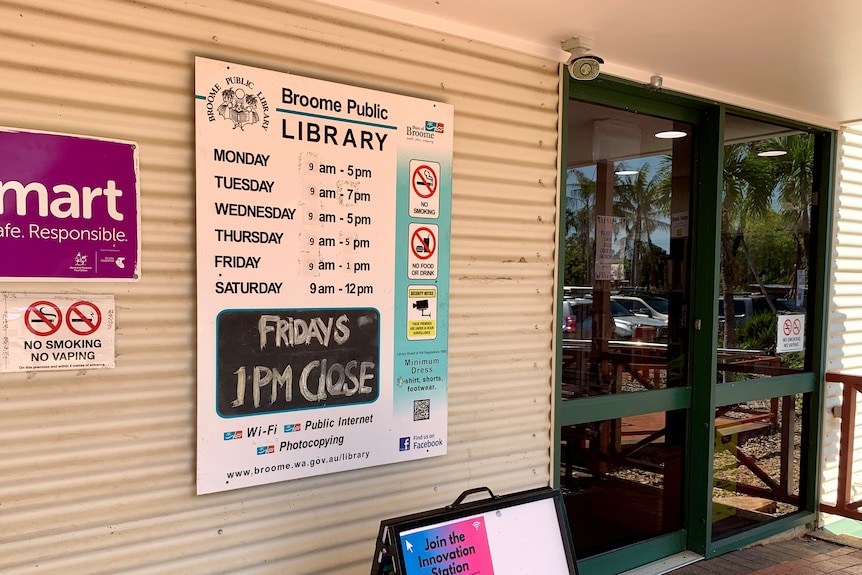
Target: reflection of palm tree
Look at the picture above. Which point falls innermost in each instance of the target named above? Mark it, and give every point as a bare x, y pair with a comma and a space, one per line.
580, 214
795, 174
747, 192
644, 201
580, 203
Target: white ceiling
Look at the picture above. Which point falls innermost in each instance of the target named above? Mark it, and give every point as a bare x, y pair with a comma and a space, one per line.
796, 58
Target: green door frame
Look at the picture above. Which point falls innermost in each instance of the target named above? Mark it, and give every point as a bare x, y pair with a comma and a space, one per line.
708, 117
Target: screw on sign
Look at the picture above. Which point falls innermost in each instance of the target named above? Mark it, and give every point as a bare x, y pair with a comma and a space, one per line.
43, 318
424, 181
83, 318
423, 246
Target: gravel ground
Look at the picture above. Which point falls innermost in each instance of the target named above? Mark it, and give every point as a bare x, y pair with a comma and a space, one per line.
764, 450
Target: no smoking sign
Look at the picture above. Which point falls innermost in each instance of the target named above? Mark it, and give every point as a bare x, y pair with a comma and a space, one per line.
83, 318
43, 318
424, 189
51, 332
791, 333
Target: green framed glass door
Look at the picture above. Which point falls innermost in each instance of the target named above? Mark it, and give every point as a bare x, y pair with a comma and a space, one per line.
773, 205
656, 408
624, 407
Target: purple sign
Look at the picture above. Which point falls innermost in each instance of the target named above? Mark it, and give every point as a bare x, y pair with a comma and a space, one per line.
68, 207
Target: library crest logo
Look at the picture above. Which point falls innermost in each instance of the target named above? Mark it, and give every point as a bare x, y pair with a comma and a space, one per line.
238, 103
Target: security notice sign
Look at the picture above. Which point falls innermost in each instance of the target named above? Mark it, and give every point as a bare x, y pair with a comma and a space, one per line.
323, 219
52, 332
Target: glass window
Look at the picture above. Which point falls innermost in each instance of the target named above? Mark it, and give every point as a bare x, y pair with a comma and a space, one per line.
623, 479
628, 191
756, 463
765, 245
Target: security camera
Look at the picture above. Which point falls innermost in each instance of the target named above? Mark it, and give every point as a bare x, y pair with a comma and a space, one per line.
585, 67
582, 66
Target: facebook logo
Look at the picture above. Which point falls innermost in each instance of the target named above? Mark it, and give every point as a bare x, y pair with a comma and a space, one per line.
404, 444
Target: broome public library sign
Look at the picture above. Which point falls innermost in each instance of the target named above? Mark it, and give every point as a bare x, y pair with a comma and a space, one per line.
323, 218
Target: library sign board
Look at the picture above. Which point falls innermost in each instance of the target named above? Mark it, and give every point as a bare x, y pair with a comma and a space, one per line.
323, 223
69, 207
48, 332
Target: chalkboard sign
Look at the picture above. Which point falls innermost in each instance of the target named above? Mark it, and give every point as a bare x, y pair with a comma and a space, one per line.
523, 533
276, 360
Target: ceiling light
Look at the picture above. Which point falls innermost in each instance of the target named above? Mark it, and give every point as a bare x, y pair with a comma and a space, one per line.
671, 134
771, 153
626, 172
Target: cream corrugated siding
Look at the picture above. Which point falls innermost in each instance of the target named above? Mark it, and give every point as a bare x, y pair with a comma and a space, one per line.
97, 468
844, 347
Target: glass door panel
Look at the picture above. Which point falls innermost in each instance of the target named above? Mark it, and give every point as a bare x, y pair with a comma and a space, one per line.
623, 478
623, 329
765, 245
766, 222
756, 463
628, 192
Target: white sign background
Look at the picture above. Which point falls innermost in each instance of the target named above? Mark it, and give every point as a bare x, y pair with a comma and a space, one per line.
299, 257
47, 332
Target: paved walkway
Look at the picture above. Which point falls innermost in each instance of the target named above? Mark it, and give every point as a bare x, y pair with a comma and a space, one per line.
815, 554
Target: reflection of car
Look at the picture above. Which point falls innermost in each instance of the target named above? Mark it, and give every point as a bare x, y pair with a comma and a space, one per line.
578, 320
645, 305
577, 292
747, 306
641, 327
785, 306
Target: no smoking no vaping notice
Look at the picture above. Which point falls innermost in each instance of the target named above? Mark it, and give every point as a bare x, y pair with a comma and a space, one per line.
323, 224
52, 331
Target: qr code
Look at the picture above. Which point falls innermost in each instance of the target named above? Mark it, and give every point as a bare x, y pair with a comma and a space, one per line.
421, 409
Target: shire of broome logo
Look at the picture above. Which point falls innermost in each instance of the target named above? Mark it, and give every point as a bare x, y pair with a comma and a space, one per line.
238, 103
434, 127
266, 449
291, 427
229, 435
425, 133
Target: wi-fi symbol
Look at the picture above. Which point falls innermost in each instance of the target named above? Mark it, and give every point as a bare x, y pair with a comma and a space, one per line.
476, 525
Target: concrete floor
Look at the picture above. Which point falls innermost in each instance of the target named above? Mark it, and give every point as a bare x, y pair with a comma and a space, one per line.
815, 553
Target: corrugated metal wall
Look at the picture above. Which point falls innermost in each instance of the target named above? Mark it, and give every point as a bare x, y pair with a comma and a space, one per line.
844, 348
97, 468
